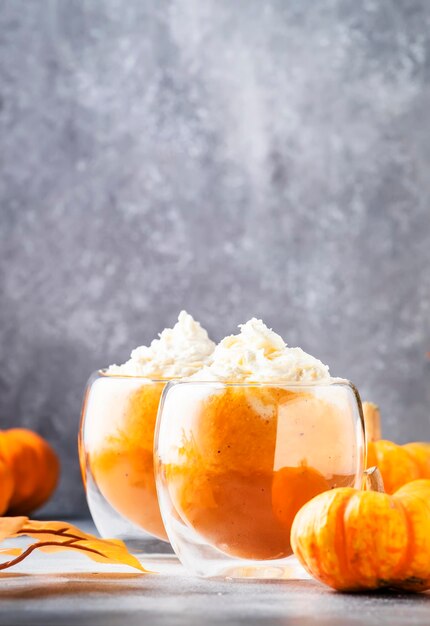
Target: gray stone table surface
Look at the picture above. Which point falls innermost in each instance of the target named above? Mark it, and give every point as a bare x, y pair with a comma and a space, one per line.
67, 589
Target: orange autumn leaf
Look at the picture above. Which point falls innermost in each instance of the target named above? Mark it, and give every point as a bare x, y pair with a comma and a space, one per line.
56, 536
9, 526
11, 551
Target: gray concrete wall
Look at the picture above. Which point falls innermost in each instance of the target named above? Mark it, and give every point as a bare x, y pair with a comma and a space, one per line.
233, 158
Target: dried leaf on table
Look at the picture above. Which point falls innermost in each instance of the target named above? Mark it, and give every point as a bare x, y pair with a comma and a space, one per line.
56, 536
10, 525
11, 551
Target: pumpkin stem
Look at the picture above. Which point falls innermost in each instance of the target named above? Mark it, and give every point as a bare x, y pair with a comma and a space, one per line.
372, 421
372, 480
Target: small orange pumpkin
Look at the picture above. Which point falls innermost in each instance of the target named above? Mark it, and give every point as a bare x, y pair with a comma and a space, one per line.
34, 467
397, 464
356, 540
6, 486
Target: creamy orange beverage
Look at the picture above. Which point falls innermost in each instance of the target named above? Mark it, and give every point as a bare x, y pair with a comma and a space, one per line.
120, 414
250, 438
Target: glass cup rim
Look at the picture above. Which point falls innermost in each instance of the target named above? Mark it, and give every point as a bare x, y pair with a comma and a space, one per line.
341, 382
104, 373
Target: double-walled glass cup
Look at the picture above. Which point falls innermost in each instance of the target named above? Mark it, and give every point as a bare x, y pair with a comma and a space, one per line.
116, 444
235, 462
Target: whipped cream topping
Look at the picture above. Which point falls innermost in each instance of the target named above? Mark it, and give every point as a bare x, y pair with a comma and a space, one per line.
180, 351
257, 354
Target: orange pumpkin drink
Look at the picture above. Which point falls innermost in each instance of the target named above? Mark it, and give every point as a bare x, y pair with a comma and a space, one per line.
119, 418
248, 440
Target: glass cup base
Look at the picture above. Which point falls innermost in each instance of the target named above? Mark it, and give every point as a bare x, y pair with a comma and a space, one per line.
282, 569
203, 560
111, 525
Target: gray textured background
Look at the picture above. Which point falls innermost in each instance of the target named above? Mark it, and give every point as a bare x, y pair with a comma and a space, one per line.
234, 158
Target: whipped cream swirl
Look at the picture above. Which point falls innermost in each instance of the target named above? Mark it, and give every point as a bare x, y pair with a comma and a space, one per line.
257, 354
180, 351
